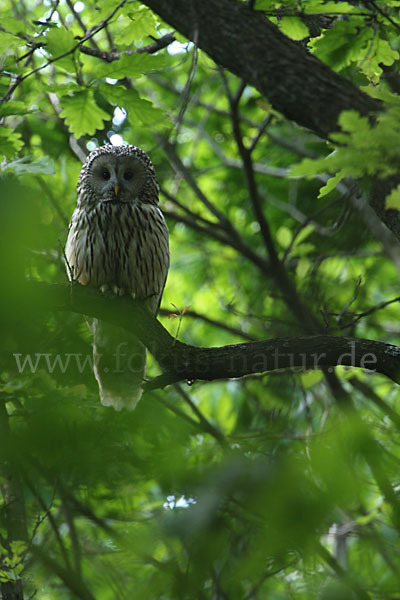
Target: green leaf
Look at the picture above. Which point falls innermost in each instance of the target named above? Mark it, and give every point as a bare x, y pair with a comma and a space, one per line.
10, 142
393, 199
18, 547
284, 236
302, 268
330, 184
5, 576
310, 378
343, 44
59, 42
132, 66
303, 249
383, 54
8, 41
82, 114
139, 25
309, 167
136, 107
15, 107
102, 10
264, 5
13, 25
64, 89
23, 165
377, 144
366, 519
328, 7
294, 28
304, 233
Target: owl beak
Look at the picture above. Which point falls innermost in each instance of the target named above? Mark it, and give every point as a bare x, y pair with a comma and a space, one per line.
116, 190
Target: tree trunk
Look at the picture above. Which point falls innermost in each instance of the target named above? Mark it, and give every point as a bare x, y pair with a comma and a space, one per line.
242, 40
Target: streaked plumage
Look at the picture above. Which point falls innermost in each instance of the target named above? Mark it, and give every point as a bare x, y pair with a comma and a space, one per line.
118, 240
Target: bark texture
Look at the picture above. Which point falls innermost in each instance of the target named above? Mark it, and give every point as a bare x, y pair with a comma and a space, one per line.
296, 83
243, 41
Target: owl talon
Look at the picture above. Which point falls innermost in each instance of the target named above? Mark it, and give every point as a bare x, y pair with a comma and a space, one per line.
118, 291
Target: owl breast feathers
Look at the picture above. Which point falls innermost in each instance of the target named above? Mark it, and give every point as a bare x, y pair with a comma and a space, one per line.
118, 238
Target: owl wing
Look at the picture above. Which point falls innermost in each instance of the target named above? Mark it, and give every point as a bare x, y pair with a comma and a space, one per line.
76, 248
148, 257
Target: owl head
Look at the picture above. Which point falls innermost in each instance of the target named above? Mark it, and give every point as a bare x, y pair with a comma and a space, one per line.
117, 174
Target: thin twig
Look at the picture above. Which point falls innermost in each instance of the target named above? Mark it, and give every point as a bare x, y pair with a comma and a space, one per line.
182, 415
278, 271
344, 575
369, 393
188, 85
87, 37
207, 426
53, 201
109, 57
381, 12
220, 324
52, 522
260, 132
369, 311
189, 212
235, 242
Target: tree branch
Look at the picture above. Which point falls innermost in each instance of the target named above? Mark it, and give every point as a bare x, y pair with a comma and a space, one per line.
243, 41
296, 83
158, 44
180, 361
86, 37
279, 273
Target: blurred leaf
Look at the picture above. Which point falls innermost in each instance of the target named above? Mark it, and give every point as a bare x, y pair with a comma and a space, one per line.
59, 42
14, 108
132, 66
10, 142
303, 234
141, 24
8, 41
25, 165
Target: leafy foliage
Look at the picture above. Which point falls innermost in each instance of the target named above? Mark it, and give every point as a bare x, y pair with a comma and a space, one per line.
271, 486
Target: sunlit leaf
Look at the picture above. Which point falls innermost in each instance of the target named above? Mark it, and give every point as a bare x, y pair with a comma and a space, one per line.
294, 28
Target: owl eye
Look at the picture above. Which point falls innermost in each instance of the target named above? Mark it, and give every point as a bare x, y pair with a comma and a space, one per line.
128, 175
105, 174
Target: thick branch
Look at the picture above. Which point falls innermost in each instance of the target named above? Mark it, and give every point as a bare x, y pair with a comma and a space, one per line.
183, 362
243, 41
295, 82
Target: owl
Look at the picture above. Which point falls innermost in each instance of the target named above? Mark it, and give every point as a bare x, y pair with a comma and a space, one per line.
118, 242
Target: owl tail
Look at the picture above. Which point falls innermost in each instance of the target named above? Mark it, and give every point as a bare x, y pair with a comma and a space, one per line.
119, 365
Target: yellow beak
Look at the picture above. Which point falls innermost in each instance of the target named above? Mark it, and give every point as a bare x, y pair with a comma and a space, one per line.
116, 190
